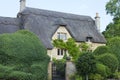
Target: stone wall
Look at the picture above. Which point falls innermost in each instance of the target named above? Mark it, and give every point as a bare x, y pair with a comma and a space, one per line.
70, 70
50, 71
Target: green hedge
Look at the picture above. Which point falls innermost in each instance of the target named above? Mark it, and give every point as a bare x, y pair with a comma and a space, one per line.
109, 60
114, 44
101, 50
23, 52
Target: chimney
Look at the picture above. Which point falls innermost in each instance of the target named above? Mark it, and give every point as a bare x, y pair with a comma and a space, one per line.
97, 21
22, 5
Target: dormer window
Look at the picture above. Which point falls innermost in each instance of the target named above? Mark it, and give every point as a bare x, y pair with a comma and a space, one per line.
88, 39
62, 36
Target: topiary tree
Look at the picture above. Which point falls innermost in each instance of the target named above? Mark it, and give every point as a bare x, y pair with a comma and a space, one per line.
109, 60
86, 64
101, 50
103, 70
25, 55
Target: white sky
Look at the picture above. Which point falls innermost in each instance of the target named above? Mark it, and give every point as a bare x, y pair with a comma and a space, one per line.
10, 8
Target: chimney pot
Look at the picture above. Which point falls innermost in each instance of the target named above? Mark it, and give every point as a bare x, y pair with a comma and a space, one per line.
97, 21
97, 14
22, 5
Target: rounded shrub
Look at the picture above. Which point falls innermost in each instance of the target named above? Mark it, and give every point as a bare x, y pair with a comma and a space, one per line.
101, 50
95, 77
109, 60
86, 64
117, 75
103, 70
24, 52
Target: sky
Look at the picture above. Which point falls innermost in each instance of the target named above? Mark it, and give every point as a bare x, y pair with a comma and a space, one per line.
10, 8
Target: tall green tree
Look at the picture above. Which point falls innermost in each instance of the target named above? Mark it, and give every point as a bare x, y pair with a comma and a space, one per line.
113, 8
113, 29
86, 64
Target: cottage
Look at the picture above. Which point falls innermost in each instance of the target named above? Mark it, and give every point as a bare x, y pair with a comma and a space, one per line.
50, 25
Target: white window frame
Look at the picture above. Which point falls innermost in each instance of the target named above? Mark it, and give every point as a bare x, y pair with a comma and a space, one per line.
62, 36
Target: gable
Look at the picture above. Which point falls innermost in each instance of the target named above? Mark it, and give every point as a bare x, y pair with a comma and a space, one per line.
61, 29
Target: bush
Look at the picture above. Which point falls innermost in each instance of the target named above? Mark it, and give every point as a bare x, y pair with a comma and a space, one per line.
18, 75
117, 75
75, 77
114, 45
109, 60
96, 77
5, 71
101, 50
22, 51
78, 77
102, 70
86, 64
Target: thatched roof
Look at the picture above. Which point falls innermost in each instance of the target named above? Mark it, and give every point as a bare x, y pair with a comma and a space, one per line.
8, 25
44, 23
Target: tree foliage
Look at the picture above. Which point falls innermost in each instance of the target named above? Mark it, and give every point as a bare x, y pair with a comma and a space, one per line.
86, 64
84, 47
109, 60
59, 43
23, 57
103, 70
70, 45
113, 8
101, 50
73, 48
114, 45
95, 77
113, 29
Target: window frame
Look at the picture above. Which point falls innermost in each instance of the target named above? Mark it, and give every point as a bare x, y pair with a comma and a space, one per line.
62, 36
61, 52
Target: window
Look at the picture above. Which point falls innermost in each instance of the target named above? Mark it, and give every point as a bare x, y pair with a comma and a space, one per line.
89, 39
89, 50
61, 52
62, 36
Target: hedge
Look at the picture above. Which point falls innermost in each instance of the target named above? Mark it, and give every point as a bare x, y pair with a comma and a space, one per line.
25, 55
